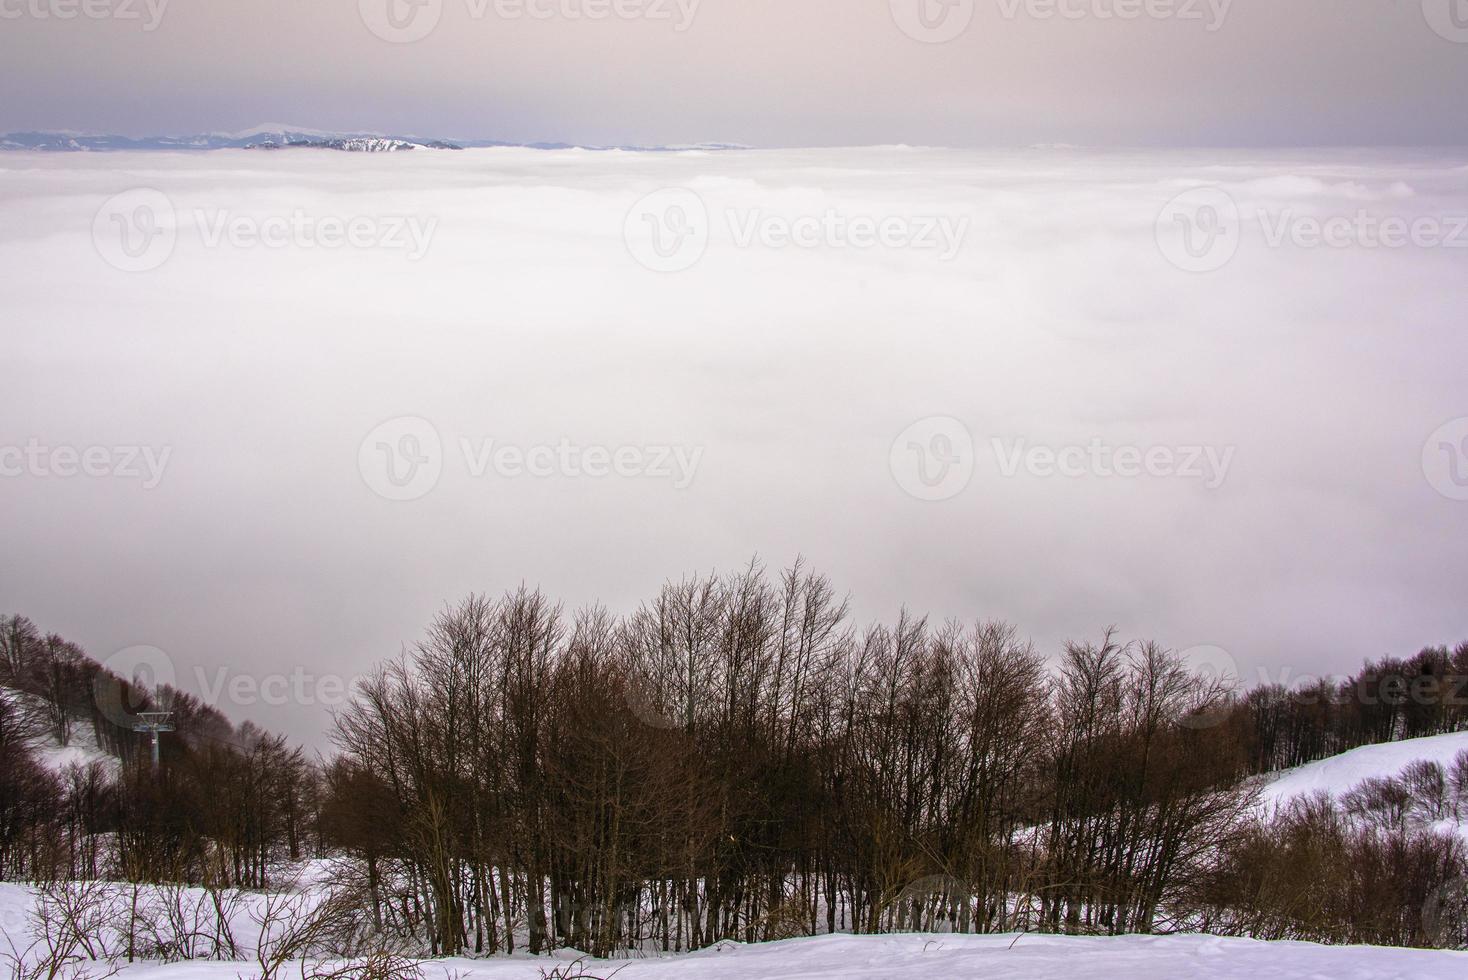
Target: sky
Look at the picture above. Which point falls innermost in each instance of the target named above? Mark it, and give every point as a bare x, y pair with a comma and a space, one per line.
770, 73
266, 413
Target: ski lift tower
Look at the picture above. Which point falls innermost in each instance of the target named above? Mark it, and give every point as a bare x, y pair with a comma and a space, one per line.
154, 723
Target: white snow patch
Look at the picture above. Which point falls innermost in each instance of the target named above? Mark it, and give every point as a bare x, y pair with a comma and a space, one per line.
1342, 773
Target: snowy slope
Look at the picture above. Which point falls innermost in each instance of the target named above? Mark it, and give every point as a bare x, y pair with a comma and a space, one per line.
915, 957
1340, 773
843, 957
78, 753
81, 749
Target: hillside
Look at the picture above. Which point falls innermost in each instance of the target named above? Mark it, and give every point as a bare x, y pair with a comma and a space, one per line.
1339, 774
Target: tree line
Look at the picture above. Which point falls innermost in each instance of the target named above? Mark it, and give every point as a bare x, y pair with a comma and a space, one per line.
736, 759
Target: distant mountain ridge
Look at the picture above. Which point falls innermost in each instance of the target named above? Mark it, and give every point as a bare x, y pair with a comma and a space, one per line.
281, 138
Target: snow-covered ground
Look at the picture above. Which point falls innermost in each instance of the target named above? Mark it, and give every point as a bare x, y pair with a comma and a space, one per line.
919, 957
80, 750
890, 957
1342, 773
1032, 957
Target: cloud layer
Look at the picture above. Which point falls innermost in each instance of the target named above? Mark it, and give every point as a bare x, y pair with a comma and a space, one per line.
382, 382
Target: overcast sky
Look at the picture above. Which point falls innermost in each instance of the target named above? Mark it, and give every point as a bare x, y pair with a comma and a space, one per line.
763, 72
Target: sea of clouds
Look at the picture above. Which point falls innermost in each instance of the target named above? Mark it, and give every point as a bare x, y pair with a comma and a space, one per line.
270, 410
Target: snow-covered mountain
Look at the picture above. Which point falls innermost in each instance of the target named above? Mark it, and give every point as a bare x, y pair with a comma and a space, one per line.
275, 137
260, 138
351, 144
